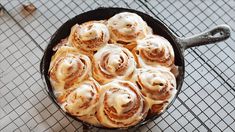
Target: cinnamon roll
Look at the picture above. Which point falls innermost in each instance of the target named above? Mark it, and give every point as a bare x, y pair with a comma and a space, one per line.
82, 101
154, 50
127, 27
121, 105
113, 61
67, 68
95, 77
158, 86
90, 36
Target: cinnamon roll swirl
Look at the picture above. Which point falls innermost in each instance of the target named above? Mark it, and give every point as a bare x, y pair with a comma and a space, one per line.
90, 36
154, 50
113, 61
127, 27
158, 85
121, 105
67, 68
82, 101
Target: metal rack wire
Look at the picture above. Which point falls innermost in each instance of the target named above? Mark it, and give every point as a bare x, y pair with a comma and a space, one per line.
207, 100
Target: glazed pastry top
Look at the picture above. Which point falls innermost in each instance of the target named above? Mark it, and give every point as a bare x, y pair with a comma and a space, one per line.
114, 72
127, 27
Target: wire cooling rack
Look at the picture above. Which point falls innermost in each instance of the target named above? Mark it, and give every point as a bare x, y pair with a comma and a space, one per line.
207, 99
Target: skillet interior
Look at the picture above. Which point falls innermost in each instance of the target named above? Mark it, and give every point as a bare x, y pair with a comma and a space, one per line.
157, 25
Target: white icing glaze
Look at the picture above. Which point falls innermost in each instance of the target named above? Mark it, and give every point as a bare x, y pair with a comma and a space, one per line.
66, 64
122, 96
130, 24
67, 67
89, 36
118, 65
113, 60
117, 100
82, 101
155, 51
83, 94
95, 31
158, 85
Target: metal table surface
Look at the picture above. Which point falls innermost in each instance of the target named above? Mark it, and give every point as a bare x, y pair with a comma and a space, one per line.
207, 99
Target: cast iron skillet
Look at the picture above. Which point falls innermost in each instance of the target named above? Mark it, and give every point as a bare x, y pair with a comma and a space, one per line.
179, 44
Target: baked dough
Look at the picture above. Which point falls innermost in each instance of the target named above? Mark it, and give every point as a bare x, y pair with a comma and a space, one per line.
113, 73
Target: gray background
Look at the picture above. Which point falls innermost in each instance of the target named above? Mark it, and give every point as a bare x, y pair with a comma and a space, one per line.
207, 99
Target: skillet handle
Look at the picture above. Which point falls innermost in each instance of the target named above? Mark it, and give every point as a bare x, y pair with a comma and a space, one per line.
216, 34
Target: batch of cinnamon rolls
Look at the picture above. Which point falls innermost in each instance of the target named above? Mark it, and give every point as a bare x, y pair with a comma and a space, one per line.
113, 73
